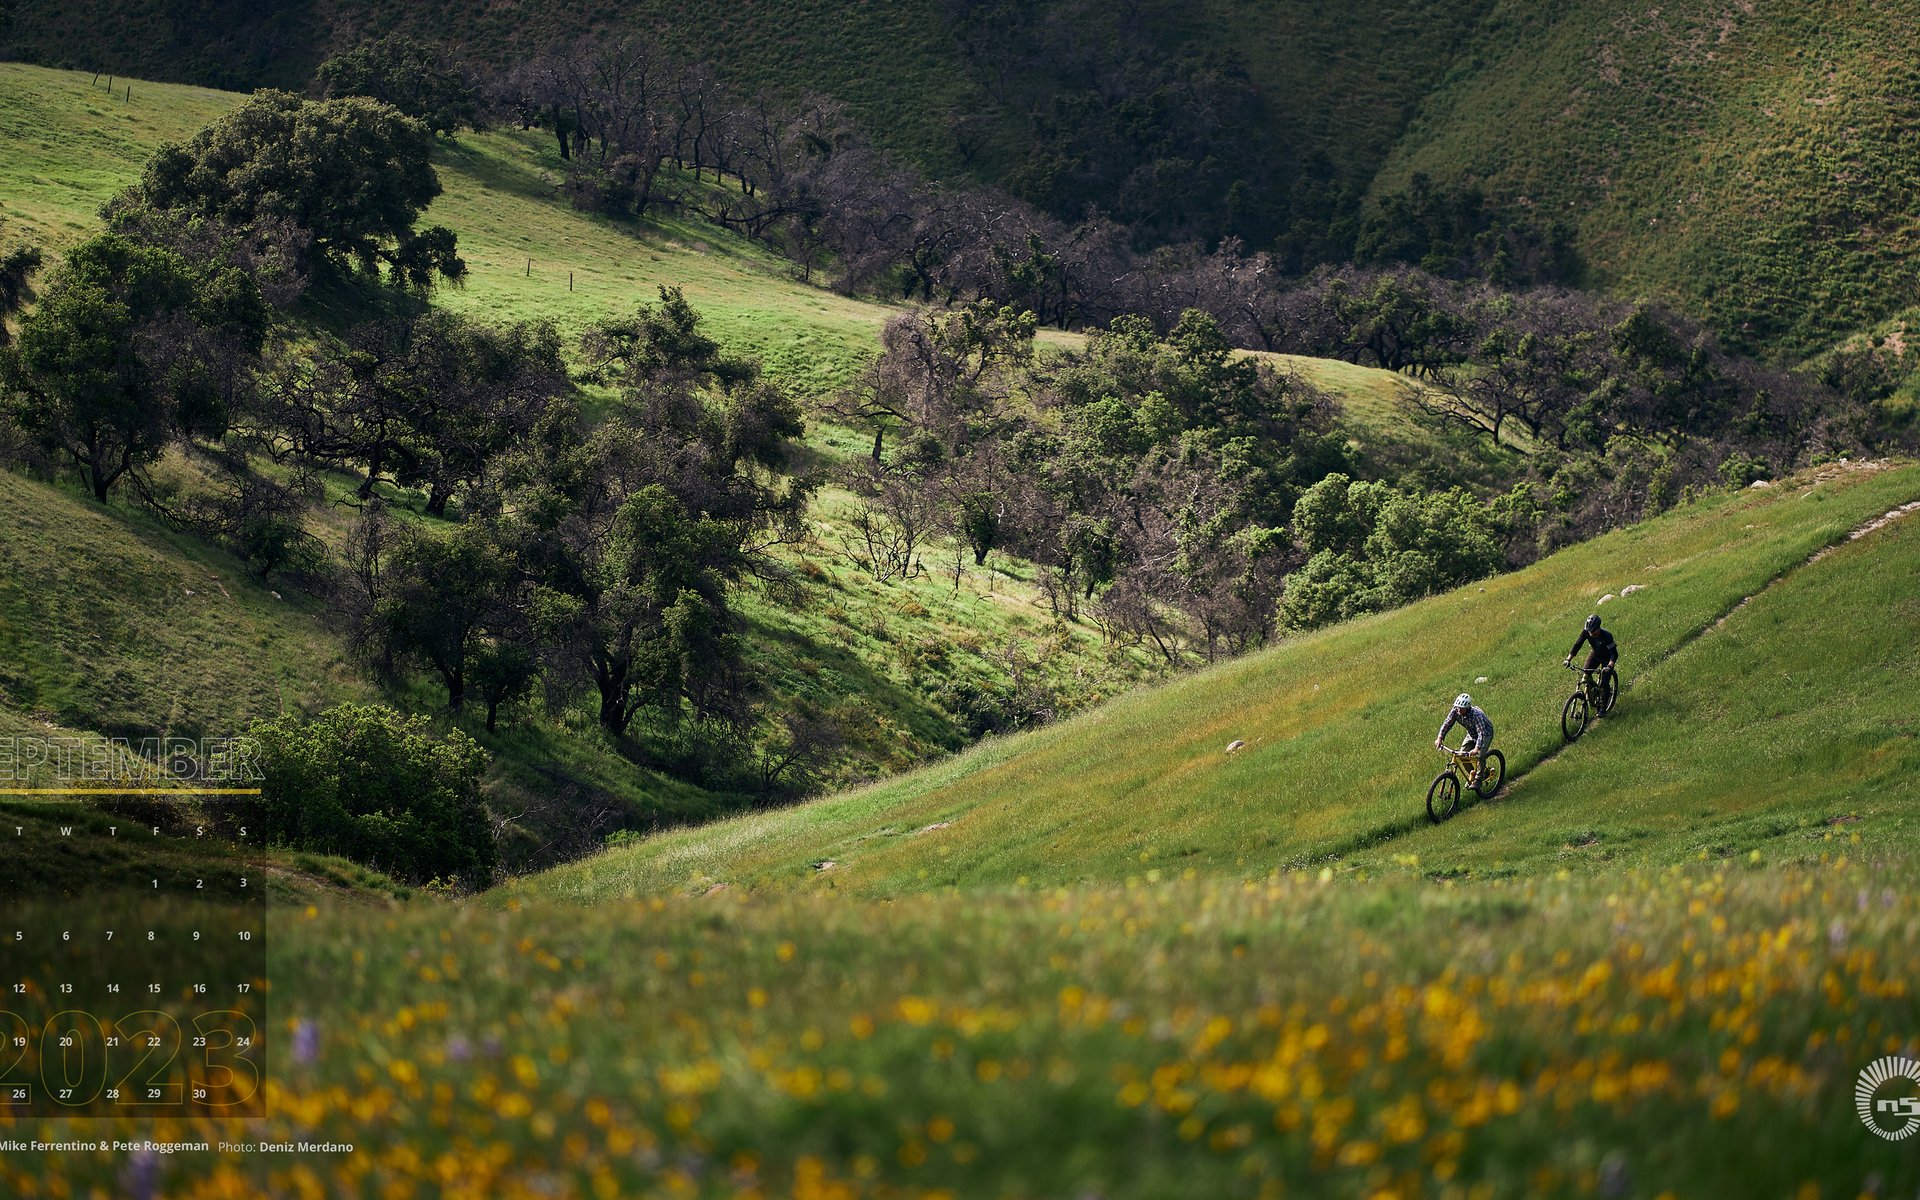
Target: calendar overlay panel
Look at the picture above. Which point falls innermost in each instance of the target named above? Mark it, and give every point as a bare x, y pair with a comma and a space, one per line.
133, 978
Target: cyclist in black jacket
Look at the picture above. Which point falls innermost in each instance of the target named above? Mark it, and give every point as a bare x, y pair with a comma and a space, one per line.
1605, 651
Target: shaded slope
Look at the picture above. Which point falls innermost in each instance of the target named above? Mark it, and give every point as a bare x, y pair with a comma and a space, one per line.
946, 85
1755, 162
1338, 728
109, 622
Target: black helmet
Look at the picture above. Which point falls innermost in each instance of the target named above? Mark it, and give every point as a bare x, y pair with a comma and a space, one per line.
1593, 622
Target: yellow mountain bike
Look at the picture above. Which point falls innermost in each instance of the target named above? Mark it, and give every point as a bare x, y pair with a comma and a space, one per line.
1444, 795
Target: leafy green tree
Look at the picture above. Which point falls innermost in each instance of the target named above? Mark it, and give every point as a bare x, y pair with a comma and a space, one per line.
503, 669
441, 599
662, 345
634, 535
17, 266
421, 80
352, 173
426, 401
1371, 546
367, 783
130, 348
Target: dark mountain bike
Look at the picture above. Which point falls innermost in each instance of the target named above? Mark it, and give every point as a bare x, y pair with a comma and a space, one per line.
1593, 698
1444, 795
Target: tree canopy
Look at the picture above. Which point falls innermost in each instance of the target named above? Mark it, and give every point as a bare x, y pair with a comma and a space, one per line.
131, 346
352, 173
420, 80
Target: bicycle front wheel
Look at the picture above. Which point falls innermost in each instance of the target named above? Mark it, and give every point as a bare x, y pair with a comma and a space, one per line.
1443, 797
1493, 773
1573, 718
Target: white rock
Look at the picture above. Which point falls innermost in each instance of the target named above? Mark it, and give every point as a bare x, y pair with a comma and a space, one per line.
1763, 483
1604, 599
1235, 744
1479, 678
1631, 588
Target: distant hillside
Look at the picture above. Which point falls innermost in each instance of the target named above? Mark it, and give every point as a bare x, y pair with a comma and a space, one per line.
1755, 164
1758, 163
943, 82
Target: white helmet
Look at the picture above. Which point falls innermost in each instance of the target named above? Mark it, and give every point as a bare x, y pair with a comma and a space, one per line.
1463, 701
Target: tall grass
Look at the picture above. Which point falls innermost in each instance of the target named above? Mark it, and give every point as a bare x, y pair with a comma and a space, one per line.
1692, 1032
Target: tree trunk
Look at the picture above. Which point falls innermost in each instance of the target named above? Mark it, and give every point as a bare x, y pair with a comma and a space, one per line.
615, 692
374, 462
437, 499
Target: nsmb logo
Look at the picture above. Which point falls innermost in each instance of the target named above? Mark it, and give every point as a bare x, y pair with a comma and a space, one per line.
1886, 1113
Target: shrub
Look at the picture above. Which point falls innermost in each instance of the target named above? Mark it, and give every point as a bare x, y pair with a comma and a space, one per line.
1743, 470
1371, 547
372, 785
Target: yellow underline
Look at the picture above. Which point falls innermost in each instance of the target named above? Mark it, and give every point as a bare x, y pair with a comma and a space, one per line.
129, 791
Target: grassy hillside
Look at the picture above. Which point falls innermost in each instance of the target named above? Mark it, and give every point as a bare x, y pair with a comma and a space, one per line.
1334, 80
1749, 162
1753, 161
1774, 735
1338, 727
71, 147
112, 623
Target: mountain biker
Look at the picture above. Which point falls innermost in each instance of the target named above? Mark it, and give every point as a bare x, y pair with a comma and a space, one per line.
1605, 651
1479, 728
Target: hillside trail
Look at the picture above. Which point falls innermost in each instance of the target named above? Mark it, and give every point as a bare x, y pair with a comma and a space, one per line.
1400, 827
1711, 626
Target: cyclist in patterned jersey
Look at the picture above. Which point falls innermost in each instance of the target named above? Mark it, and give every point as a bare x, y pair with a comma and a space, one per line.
1479, 728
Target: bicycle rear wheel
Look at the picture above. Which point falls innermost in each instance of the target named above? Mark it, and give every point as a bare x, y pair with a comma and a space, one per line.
1573, 718
1609, 691
1443, 797
1493, 773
